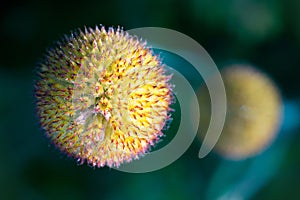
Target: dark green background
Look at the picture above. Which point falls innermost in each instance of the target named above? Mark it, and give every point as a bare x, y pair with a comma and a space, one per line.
265, 33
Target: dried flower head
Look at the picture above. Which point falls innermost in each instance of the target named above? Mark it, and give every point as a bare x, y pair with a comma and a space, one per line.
103, 96
253, 112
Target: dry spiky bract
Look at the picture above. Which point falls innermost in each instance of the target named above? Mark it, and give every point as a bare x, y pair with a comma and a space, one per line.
103, 96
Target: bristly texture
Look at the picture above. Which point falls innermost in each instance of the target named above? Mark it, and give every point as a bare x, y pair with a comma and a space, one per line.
103, 96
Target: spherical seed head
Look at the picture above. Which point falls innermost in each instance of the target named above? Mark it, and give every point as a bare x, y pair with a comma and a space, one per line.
253, 112
103, 96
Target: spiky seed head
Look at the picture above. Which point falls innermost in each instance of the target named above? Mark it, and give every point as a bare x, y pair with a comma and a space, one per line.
102, 96
253, 112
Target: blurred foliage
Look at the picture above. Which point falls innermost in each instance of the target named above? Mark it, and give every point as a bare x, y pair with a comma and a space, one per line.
264, 33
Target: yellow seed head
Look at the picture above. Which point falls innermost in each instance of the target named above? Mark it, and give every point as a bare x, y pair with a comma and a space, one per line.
103, 96
253, 112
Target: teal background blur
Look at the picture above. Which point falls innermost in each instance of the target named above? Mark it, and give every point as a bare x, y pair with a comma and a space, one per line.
265, 33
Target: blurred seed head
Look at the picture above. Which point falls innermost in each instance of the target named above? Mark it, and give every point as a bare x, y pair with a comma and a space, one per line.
253, 112
102, 96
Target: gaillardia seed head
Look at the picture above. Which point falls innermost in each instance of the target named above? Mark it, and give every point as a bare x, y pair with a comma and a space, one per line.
102, 96
253, 112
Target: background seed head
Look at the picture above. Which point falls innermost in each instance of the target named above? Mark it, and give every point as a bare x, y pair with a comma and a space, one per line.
102, 96
253, 112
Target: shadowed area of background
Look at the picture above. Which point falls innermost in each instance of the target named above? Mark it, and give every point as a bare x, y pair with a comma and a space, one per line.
263, 33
